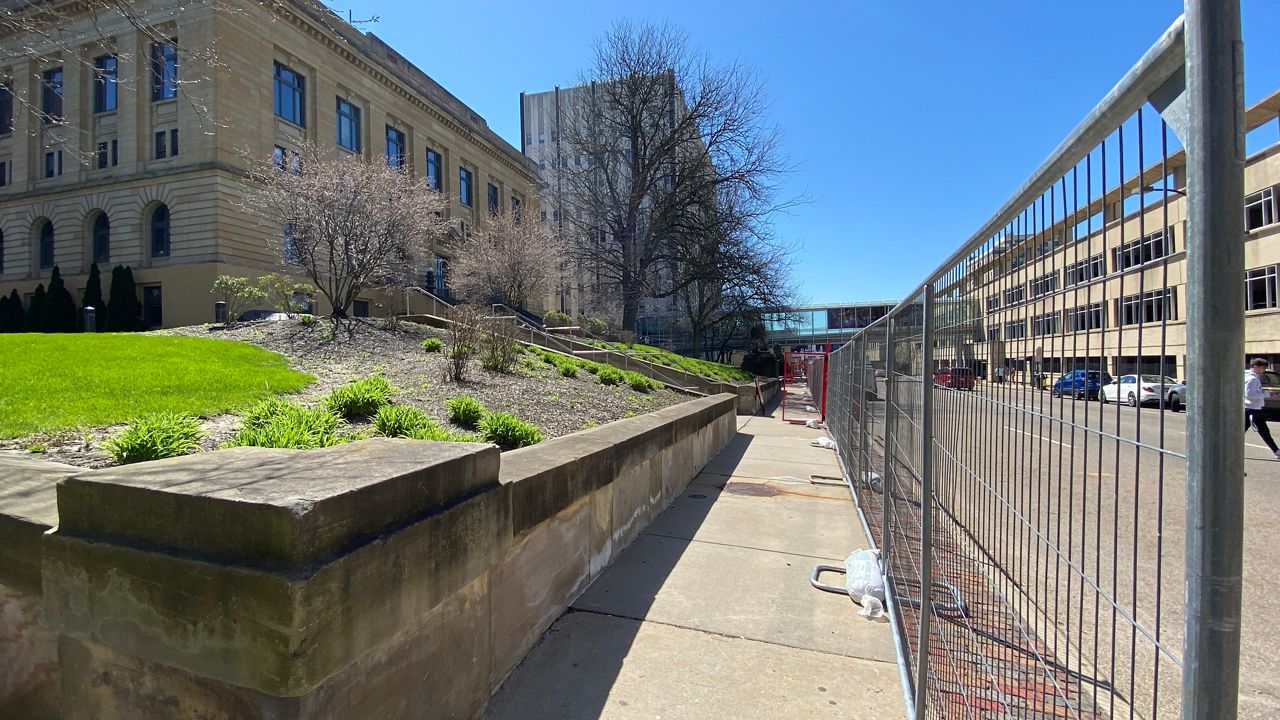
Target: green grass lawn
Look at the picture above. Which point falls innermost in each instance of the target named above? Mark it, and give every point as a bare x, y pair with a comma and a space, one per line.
53, 382
704, 368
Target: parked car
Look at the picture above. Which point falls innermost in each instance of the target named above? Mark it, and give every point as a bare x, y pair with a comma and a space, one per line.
956, 378
1140, 389
1176, 397
1081, 384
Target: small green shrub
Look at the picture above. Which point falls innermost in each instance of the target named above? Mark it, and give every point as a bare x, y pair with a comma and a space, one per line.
465, 410
592, 366
361, 398
555, 318
155, 437
508, 431
401, 420
306, 320
275, 423
36, 448
568, 369
433, 345
610, 376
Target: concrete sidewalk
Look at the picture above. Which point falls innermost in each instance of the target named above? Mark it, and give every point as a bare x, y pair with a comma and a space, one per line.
709, 613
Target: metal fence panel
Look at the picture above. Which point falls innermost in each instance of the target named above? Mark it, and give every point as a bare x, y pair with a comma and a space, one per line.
993, 430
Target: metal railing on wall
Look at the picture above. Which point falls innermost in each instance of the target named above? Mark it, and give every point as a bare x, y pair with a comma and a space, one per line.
1018, 460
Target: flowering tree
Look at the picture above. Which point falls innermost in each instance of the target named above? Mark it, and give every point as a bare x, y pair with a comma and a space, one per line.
347, 223
515, 260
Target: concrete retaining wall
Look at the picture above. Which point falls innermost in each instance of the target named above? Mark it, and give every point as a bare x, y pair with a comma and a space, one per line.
381, 579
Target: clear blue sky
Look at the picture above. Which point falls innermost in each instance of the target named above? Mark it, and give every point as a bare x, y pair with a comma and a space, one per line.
911, 122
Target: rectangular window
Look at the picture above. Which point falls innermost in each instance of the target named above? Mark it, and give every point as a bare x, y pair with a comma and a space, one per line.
1259, 208
278, 157
515, 208
161, 146
993, 303
1046, 324
51, 96
103, 155
1154, 306
1085, 270
6, 108
1044, 284
290, 95
173, 142
464, 186
152, 306
360, 308
291, 254
348, 126
4, 173
1143, 250
395, 148
1086, 317
993, 334
1014, 295
1260, 288
52, 163
105, 76
1015, 330
435, 171
164, 70
493, 199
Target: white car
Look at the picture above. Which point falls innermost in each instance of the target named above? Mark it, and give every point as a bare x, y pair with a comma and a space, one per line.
1141, 389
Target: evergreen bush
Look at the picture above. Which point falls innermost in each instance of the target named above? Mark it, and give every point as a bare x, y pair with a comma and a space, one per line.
60, 307
124, 312
93, 298
35, 313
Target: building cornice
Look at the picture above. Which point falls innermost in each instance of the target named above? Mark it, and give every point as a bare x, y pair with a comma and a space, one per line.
297, 13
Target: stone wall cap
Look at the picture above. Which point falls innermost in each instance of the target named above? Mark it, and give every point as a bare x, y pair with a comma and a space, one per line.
274, 508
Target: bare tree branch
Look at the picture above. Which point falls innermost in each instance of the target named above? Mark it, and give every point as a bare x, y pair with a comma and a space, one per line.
347, 223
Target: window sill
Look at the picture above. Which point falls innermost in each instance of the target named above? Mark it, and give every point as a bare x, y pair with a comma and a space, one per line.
105, 113
289, 123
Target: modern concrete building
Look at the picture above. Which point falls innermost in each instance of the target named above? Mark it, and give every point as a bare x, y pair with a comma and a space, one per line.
1075, 293
124, 142
583, 289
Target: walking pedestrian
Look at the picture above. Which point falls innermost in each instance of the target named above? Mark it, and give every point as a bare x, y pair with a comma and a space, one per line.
1254, 397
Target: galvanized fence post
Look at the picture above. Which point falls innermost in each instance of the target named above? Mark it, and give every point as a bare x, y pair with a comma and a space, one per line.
1215, 347
926, 503
885, 493
863, 430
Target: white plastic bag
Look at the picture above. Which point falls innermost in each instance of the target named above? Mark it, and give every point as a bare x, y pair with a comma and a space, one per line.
824, 442
862, 575
815, 424
873, 482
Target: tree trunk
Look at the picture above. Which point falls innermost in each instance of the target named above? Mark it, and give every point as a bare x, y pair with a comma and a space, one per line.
630, 308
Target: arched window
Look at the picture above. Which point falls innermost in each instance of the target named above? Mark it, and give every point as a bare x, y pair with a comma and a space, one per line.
160, 232
46, 245
101, 239
1, 251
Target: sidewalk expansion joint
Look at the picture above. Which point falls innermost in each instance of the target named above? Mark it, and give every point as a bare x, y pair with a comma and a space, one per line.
728, 636
744, 547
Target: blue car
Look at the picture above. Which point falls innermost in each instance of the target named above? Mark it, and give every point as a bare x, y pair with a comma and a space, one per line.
1081, 384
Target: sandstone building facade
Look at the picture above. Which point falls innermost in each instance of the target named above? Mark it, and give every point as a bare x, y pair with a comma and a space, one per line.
128, 143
